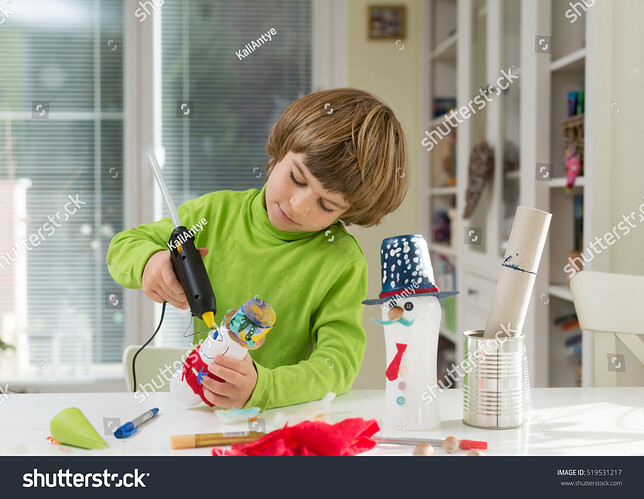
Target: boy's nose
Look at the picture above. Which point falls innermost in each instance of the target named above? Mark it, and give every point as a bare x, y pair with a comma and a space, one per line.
300, 205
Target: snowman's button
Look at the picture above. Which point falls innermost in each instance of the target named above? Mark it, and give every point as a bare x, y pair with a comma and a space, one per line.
400, 400
402, 385
395, 313
409, 306
402, 370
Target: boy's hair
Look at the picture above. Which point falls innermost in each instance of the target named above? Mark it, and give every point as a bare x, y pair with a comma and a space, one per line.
352, 144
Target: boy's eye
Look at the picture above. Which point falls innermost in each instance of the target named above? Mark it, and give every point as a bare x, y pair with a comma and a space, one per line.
324, 208
295, 181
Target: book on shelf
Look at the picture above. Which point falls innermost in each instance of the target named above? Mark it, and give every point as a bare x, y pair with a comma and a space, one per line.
442, 105
578, 213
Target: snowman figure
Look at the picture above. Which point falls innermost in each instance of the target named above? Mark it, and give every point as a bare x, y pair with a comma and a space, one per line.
411, 317
243, 329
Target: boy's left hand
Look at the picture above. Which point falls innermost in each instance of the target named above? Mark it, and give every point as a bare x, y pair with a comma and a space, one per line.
241, 378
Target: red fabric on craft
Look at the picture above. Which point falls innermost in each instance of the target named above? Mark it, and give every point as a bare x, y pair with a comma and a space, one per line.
194, 362
310, 438
394, 367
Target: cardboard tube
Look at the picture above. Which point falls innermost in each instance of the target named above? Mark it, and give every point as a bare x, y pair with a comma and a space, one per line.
518, 273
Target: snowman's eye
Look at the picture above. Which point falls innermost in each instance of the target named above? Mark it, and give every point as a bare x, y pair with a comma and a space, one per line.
409, 306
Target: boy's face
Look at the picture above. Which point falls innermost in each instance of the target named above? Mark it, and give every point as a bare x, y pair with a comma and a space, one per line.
296, 201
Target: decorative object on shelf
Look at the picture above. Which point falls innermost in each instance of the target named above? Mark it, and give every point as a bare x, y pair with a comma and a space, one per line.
578, 227
387, 22
573, 166
449, 161
480, 168
578, 214
441, 228
443, 105
572, 103
573, 130
576, 104
411, 316
448, 169
511, 157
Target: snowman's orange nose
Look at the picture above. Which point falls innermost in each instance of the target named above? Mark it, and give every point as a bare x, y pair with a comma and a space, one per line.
395, 313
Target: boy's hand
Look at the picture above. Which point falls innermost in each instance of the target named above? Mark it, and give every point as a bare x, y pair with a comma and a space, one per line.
160, 282
241, 378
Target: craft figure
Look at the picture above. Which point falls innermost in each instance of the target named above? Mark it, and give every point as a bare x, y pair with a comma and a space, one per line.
411, 316
243, 329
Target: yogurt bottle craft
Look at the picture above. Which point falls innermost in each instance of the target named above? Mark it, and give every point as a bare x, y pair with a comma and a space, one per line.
411, 317
243, 329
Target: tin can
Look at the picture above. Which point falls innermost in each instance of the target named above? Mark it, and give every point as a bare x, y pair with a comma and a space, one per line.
496, 388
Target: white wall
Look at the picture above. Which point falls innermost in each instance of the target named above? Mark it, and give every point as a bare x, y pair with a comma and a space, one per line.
393, 75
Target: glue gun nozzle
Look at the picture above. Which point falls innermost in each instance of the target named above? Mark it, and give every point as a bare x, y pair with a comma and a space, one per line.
209, 319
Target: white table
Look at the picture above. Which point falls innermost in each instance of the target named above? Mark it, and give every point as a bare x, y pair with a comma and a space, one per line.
564, 422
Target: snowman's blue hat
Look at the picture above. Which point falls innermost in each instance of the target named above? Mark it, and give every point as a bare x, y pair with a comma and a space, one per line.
406, 269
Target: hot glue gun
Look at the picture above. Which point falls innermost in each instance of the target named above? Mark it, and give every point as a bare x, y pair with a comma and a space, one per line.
186, 260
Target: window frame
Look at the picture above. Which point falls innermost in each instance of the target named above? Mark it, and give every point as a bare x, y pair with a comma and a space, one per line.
143, 68
142, 72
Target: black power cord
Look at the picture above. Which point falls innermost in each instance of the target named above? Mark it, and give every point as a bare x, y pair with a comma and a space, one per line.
146, 344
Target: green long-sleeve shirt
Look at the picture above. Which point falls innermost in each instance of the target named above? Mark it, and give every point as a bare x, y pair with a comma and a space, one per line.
315, 282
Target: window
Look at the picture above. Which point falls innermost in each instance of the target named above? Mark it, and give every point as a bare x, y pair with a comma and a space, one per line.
217, 109
61, 191
62, 143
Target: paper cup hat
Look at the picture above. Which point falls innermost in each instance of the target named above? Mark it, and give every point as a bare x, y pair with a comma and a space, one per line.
406, 269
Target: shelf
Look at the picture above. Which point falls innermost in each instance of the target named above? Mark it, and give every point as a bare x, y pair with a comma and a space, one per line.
558, 182
573, 62
446, 50
443, 249
443, 191
560, 291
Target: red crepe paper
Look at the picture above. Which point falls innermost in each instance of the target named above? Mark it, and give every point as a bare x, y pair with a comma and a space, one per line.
310, 438
193, 364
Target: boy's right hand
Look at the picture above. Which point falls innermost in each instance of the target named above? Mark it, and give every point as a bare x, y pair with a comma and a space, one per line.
160, 282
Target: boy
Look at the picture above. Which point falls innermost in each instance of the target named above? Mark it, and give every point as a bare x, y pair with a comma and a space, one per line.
287, 245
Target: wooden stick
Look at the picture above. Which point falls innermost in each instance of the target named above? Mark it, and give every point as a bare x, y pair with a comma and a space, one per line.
211, 439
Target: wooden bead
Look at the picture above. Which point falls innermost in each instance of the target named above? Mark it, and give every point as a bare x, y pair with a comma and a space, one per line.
451, 444
476, 452
395, 313
423, 449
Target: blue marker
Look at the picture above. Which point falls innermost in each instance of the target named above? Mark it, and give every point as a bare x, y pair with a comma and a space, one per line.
129, 428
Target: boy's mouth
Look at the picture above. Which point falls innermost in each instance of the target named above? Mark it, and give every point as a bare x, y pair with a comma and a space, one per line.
284, 217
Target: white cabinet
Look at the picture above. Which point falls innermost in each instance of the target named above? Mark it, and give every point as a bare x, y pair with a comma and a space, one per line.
513, 62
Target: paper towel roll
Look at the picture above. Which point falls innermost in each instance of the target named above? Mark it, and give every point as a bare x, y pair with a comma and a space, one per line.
518, 272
